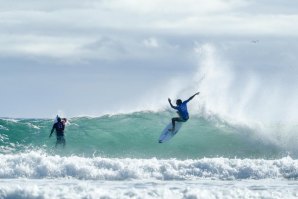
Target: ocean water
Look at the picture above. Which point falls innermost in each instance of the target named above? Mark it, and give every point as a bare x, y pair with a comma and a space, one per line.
118, 156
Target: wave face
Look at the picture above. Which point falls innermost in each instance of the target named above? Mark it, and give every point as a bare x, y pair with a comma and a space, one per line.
136, 136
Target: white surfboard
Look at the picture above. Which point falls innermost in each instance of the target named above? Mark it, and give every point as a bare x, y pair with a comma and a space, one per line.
166, 135
56, 119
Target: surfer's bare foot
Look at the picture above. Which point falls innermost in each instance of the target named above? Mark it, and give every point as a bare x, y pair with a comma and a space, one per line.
172, 130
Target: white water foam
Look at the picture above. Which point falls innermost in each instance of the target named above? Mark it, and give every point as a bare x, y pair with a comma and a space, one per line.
36, 165
209, 189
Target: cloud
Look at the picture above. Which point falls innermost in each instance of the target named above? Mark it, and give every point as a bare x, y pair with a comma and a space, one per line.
151, 43
172, 7
135, 46
192, 16
124, 29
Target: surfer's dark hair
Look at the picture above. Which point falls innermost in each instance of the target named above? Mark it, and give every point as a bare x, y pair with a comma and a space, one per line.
58, 119
179, 101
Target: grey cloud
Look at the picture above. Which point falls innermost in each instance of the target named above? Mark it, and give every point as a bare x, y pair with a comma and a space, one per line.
105, 43
270, 7
44, 5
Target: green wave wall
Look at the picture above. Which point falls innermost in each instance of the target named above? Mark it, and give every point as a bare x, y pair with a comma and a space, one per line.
136, 136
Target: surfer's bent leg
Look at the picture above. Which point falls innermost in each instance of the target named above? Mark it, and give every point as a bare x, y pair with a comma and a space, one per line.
60, 140
175, 119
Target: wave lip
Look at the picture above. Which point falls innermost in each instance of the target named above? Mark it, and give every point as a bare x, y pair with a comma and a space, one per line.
36, 165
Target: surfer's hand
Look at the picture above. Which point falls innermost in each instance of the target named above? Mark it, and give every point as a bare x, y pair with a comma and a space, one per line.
169, 99
197, 93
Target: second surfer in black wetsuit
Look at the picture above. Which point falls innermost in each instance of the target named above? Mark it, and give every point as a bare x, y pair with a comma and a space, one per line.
59, 126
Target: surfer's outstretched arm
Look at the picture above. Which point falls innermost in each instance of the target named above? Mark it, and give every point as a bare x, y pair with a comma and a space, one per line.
192, 96
174, 107
51, 132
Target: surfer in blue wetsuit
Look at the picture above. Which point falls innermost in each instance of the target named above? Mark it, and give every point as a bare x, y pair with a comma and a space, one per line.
59, 126
181, 110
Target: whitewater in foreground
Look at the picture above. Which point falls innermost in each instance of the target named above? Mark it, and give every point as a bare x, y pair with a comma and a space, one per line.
206, 159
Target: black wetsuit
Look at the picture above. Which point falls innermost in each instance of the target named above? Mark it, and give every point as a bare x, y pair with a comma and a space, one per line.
59, 127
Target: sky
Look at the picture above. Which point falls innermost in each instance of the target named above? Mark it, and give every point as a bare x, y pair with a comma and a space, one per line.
109, 56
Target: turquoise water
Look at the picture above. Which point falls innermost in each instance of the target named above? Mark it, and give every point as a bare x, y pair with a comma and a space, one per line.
136, 135
119, 156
